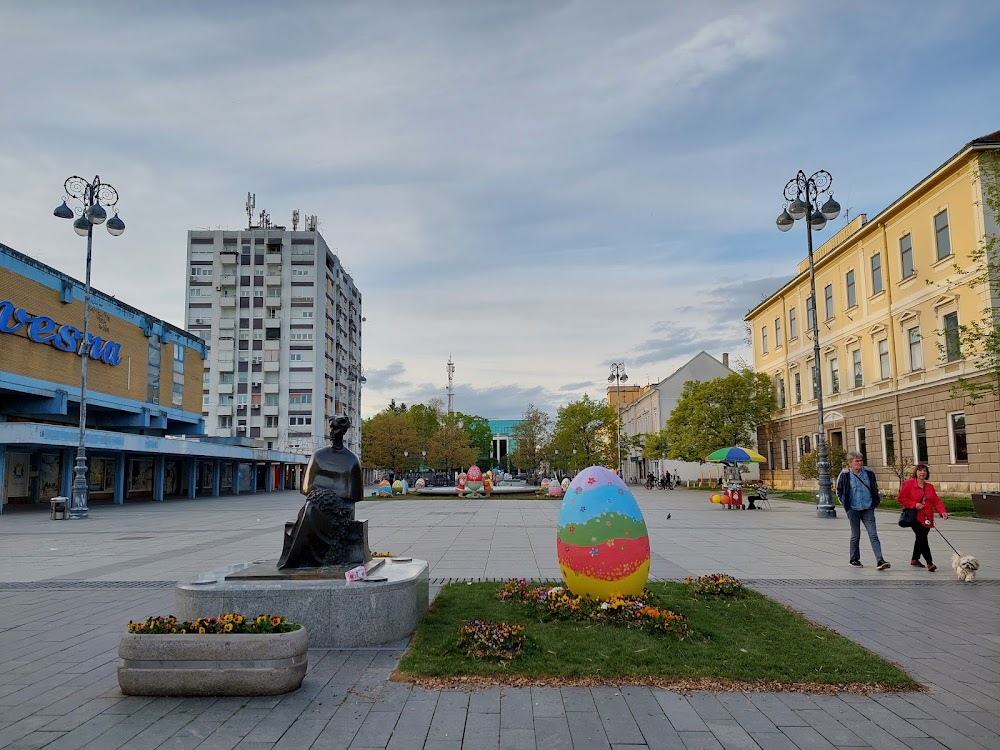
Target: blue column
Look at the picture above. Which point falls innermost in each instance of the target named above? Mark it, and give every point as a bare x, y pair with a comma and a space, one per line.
236, 477
120, 479
3, 477
283, 475
268, 477
216, 477
192, 478
159, 477
253, 478
66, 480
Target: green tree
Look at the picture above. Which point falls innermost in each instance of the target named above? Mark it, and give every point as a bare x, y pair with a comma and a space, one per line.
388, 435
451, 446
978, 341
656, 446
426, 420
837, 457
589, 427
718, 413
480, 438
530, 435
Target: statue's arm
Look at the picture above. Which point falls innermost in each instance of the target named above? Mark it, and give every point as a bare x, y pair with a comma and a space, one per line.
356, 485
309, 477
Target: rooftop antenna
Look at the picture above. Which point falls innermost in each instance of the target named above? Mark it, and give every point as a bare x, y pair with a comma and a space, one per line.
295, 219
451, 386
847, 211
265, 219
251, 206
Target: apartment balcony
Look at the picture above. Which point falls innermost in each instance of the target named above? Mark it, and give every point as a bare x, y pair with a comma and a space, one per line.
273, 256
269, 432
272, 302
225, 387
270, 410
272, 322
273, 279
226, 366
271, 388
224, 410
227, 301
227, 280
272, 367
227, 324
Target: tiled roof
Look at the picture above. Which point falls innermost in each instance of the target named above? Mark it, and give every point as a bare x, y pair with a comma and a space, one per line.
991, 138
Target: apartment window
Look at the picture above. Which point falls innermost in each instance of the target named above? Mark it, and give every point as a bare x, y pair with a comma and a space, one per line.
295, 357
241, 400
273, 291
299, 421
919, 426
814, 378
958, 446
225, 422
888, 444
810, 313
270, 421
852, 293
206, 377
270, 399
244, 292
941, 238
828, 298
784, 454
793, 325
258, 292
204, 399
952, 345
876, 273
225, 399
906, 255
834, 375
225, 377
781, 393
299, 398
859, 379
862, 443
798, 388
883, 359
913, 337
777, 332
763, 339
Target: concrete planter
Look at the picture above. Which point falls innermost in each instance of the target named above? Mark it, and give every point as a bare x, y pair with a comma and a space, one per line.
194, 665
986, 504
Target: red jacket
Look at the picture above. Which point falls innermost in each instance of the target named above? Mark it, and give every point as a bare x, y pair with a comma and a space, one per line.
910, 494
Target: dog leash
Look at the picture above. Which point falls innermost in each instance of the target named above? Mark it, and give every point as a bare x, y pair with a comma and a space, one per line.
946, 541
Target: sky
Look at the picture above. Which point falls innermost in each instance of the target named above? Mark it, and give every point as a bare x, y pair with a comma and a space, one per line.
534, 188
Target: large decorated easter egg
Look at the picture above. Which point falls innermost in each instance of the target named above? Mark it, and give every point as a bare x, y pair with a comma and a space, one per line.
602, 543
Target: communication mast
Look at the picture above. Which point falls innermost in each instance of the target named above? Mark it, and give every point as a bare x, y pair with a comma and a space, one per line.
251, 207
295, 219
451, 386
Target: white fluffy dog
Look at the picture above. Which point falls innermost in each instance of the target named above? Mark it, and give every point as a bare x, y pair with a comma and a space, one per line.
965, 567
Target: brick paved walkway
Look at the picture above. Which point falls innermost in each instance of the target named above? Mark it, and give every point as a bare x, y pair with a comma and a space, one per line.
67, 588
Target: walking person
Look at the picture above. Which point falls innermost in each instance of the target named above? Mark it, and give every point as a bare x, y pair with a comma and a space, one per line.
920, 494
857, 491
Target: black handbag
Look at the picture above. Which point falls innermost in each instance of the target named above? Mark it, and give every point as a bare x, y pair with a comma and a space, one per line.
908, 517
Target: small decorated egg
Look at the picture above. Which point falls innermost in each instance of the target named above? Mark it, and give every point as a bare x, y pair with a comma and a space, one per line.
602, 542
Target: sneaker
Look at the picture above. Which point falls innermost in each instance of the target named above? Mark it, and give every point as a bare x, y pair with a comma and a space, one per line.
931, 567
856, 563
916, 563
883, 565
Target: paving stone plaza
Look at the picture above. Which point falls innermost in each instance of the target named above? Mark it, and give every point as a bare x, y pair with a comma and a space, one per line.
67, 588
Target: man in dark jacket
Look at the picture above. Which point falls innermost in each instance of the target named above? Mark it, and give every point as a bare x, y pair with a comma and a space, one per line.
857, 490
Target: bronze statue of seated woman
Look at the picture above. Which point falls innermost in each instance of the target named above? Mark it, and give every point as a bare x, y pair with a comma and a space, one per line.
325, 532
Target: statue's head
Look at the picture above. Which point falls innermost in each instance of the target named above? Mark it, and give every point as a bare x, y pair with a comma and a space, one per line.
339, 424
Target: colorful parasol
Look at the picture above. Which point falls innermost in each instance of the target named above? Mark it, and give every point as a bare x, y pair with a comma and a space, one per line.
735, 453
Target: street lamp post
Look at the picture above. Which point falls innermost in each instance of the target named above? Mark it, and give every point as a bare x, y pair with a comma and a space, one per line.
618, 377
93, 197
555, 463
803, 194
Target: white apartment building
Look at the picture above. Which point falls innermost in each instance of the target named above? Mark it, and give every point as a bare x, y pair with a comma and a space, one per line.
282, 319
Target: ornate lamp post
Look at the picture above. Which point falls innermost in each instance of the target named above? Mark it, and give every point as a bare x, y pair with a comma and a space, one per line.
618, 377
803, 194
93, 197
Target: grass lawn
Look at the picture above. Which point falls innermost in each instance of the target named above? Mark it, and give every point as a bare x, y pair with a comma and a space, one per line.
735, 643
956, 505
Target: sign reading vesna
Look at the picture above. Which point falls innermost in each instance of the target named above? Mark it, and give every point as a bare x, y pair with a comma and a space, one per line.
65, 338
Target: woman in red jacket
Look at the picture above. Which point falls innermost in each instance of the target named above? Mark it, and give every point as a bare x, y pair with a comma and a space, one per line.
920, 494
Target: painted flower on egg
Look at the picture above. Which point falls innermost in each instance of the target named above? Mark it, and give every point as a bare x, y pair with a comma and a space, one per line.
604, 551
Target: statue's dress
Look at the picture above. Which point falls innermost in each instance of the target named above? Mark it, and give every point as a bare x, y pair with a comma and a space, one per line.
325, 532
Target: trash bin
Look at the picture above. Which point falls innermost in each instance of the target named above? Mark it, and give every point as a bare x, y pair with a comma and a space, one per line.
57, 508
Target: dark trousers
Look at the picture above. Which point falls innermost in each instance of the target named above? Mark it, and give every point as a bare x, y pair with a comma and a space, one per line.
920, 544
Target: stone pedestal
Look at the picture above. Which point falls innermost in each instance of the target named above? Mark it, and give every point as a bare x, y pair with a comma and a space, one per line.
384, 608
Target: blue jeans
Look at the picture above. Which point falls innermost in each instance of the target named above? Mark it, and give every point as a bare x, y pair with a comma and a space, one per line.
866, 517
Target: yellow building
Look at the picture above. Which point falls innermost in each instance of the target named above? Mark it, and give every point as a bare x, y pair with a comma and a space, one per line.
891, 303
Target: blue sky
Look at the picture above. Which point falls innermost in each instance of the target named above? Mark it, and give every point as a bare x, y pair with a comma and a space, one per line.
537, 189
